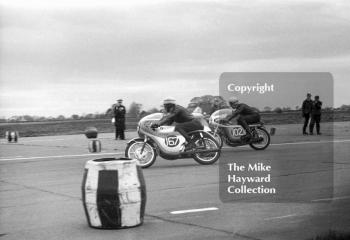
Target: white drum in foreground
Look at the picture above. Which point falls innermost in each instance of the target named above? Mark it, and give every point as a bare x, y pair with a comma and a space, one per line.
113, 193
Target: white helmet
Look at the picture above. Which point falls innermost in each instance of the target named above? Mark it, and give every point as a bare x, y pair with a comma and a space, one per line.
169, 100
169, 104
233, 100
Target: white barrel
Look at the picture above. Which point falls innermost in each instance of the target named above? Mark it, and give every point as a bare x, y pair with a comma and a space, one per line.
95, 146
113, 193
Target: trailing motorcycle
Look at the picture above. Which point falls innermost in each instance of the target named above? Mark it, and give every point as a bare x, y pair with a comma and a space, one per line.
169, 144
232, 134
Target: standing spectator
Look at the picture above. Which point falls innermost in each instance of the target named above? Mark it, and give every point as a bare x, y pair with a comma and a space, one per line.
119, 119
316, 115
306, 111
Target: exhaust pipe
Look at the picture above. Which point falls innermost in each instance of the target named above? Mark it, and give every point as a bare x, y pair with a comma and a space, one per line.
205, 151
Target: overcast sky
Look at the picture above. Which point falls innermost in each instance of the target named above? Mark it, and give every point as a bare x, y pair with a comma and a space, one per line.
67, 57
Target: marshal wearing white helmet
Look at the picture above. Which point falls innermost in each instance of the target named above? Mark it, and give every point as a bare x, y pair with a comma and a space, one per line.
184, 119
247, 115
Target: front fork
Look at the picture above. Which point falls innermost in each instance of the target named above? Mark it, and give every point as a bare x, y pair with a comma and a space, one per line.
218, 133
144, 144
215, 130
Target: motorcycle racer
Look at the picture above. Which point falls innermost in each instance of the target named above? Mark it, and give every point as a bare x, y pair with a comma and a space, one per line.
185, 121
247, 115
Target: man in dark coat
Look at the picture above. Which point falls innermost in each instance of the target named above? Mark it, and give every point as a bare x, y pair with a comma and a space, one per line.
316, 115
306, 111
119, 119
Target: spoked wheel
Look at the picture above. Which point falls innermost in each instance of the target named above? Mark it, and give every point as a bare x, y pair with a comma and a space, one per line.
143, 152
218, 139
264, 137
206, 158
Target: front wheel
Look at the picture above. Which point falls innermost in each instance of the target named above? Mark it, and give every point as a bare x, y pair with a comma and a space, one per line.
265, 139
207, 158
218, 138
142, 151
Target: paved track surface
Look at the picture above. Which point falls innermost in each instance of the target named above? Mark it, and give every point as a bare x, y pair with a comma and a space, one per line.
40, 196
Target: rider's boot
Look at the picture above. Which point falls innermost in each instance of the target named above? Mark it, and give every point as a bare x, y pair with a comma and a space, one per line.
249, 136
190, 144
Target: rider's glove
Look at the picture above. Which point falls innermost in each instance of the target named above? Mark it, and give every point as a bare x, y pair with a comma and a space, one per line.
225, 120
154, 125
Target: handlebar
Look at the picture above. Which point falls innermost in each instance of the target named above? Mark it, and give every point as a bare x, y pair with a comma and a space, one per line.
154, 126
223, 121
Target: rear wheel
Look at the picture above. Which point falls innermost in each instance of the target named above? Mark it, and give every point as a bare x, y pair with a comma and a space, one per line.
206, 143
143, 152
265, 139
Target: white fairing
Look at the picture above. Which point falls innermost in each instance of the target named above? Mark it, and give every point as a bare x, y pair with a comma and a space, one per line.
219, 114
171, 144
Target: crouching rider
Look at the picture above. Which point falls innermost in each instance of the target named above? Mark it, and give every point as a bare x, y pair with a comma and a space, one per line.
185, 121
247, 115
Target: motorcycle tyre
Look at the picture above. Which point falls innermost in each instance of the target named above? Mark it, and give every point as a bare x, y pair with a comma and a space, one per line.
198, 160
218, 139
150, 163
266, 145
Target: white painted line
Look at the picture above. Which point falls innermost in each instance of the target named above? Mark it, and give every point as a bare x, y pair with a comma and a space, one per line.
10, 157
195, 210
280, 217
42, 140
330, 199
298, 143
59, 156
34, 140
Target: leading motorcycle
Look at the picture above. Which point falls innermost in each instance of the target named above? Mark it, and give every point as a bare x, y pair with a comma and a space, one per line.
232, 134
165, 142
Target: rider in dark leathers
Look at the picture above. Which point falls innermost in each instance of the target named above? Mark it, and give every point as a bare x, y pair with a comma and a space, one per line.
184, 119
247, 115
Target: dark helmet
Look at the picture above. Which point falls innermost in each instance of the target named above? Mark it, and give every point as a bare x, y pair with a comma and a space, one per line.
233, 101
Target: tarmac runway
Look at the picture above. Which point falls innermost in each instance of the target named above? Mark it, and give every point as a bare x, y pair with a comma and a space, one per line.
40, 190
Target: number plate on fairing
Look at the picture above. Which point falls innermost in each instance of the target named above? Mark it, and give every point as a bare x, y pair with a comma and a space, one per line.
237, 131
172, 141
